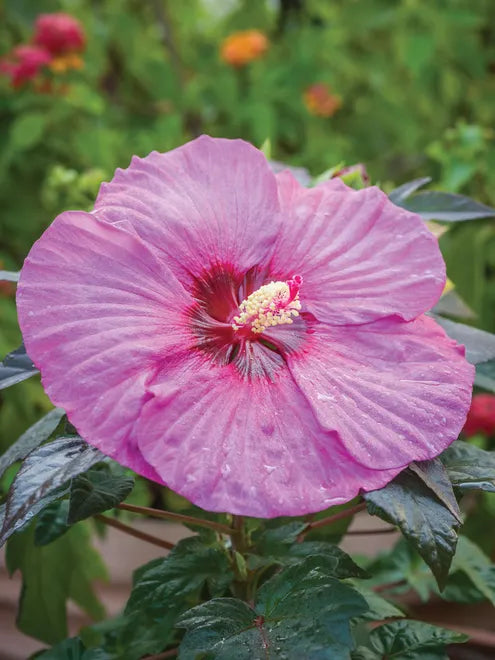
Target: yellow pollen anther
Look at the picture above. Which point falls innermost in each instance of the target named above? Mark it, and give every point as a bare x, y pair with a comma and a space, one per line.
270, 305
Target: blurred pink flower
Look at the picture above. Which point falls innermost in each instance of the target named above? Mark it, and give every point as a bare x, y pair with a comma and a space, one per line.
24, 63
257, 346
59, 33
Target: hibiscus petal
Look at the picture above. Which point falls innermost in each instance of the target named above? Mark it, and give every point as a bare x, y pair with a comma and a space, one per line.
99, 314
211, 201
246, 446
394, 392
361, 257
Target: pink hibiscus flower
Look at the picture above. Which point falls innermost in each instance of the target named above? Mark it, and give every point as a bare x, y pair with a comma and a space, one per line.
257, 346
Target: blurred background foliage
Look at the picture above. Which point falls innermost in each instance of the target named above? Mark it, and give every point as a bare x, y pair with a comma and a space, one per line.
405, 86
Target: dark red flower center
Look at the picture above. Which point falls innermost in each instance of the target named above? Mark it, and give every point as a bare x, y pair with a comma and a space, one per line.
248, 319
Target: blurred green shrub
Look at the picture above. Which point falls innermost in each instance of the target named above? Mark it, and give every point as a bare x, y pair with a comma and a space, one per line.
416, 81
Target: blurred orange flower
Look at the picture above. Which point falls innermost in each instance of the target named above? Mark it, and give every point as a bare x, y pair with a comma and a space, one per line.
240, 48
64, 63
320, 100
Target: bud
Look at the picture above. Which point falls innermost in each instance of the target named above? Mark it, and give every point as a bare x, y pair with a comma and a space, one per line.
355, 176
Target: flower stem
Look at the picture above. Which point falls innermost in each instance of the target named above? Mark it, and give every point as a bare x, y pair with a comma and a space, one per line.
241, 585
237, 533
171, 653
316, 524
176, 517
132, 531
389, 585
363, 532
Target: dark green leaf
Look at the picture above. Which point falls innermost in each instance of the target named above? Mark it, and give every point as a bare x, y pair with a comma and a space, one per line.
418, 508
302, 612
69, 649
451, 304
469, 467
435, 476
481, 506
51, 522
402, 569
189, 566
401, 193
460, 589
16, 367
485, 375
31, 438
222, 628
270, 544
51, 574
471, 561
378, 607
276, 540
96, 491
337, 563
8, 276
165, 588
35, 509
408, 640
435, 205
279, 546
480, 345
42, 473
131, 637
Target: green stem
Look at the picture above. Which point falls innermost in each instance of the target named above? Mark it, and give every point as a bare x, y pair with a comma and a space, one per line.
176, 517
237, 534
239, 547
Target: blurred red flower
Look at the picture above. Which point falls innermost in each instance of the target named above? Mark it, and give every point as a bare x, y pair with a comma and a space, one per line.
481, 415
24, 63
59, 33
240, 48
320, 100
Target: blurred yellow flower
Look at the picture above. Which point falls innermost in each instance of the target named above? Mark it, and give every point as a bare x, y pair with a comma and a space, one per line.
320, 100
240, 48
